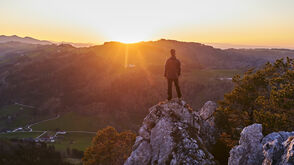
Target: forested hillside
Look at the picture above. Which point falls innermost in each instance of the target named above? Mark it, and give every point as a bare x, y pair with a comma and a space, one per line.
117, 82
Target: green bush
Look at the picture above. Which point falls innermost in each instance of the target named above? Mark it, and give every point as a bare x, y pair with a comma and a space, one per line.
264, 96
109, 147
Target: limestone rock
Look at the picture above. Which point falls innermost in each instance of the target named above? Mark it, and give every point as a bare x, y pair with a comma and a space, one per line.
172, 133
278, 148
207, 111
249, 150
207, 129
141, 155
274, 149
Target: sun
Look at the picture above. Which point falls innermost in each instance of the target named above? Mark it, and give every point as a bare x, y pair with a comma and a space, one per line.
128, 38
127, 34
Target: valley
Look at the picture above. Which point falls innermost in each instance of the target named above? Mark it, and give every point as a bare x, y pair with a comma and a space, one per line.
63, 95
62, 140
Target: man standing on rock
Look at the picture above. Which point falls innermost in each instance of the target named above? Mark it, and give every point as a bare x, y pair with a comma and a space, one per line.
172, 73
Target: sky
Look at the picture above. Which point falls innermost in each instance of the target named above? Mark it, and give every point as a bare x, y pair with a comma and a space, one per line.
239, 22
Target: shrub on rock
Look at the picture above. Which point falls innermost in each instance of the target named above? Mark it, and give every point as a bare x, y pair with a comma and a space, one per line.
109, 147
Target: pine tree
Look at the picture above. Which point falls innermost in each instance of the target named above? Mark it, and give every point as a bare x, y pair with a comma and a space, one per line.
263, 96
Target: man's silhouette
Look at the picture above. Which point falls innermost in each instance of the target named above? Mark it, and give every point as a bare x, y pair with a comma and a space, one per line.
172, 73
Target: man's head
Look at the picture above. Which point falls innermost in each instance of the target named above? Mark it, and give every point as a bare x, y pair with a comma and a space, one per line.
173, 52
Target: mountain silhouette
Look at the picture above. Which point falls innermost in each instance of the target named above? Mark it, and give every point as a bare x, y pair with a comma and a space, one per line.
28, 40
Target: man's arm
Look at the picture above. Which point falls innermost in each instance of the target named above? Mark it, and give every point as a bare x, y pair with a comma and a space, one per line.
165, 69
179, 68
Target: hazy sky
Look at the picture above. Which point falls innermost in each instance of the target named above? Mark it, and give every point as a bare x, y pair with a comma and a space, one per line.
248, 22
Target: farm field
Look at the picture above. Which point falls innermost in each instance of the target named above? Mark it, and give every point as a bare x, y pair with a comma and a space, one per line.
19, 135
70, 121
205, 75
14, 116
79, 141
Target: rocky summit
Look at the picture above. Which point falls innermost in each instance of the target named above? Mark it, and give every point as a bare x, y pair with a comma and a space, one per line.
276, 148
172, 133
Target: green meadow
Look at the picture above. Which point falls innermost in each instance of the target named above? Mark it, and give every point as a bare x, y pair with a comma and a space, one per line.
14, 116
19, 135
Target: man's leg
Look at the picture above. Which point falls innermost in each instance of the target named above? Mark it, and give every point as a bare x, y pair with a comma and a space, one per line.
178, 88
169, 89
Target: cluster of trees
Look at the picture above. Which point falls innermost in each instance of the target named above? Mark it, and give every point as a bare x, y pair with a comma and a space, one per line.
264, 96
74, 153
28, 153
109, 147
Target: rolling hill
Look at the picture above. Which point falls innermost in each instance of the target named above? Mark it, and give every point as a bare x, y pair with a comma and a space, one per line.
27, 40
115, 82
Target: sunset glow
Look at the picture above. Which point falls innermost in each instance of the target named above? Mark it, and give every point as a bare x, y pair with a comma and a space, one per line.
250, 22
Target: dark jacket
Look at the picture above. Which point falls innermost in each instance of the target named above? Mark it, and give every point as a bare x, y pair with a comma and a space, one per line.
172, 68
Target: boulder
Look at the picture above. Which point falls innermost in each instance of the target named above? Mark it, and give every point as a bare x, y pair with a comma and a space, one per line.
172, 133
249, 150
274, 149
278, 148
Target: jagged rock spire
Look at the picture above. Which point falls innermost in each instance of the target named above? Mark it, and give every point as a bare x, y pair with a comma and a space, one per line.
276, 148
172, 133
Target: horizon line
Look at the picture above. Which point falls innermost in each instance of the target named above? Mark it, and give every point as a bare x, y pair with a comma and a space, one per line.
213, 44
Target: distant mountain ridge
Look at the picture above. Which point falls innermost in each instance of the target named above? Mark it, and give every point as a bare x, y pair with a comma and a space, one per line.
247, 46
28, 40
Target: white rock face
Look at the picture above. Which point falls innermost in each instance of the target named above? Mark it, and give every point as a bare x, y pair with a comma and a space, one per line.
207, 110
250, 149
254, 149
172, 133
278, 148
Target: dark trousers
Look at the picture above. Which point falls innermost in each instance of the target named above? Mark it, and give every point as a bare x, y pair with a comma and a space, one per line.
169, 89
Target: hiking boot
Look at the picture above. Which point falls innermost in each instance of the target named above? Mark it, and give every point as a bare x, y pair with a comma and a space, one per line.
180, 100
